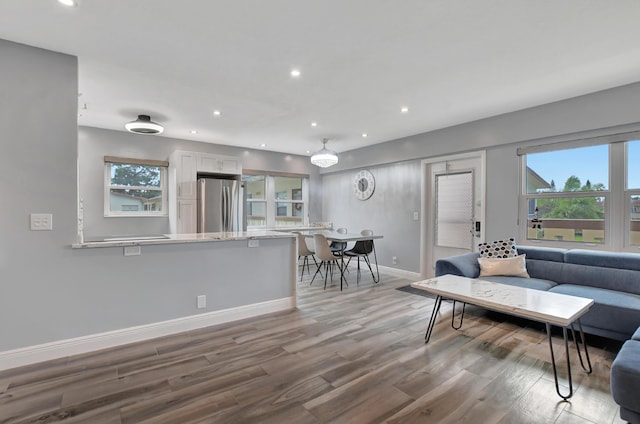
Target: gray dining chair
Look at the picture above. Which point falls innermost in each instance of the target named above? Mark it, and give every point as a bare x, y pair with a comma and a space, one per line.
305, 252
362, 249
337, 247
327, 258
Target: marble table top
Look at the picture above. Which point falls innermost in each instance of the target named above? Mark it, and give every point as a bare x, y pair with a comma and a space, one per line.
553, 308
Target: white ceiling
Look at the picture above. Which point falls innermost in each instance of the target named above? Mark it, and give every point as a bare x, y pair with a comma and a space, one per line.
449, 61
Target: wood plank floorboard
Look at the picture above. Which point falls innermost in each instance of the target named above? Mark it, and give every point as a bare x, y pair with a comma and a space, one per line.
356, 356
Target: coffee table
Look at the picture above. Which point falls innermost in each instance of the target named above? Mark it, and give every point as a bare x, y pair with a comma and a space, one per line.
550, 308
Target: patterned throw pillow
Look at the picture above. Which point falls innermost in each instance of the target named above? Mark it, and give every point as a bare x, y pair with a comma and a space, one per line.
498, 249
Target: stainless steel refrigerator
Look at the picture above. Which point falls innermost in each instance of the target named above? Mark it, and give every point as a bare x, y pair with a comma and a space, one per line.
218, 204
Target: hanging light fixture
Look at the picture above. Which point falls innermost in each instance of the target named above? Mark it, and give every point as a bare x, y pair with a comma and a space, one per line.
144, 125
324, 157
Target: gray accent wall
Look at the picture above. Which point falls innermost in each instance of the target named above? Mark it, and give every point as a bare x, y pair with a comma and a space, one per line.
388, 212
95, 143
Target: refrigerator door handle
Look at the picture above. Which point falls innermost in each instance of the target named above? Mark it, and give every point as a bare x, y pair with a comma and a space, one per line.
225, 202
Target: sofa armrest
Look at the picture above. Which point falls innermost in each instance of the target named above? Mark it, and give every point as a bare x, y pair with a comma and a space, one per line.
465, 265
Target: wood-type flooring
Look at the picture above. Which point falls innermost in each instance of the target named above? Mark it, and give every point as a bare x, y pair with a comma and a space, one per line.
356, 356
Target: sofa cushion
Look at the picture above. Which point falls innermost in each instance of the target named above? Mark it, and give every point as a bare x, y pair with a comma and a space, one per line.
622, 280
636, 335
550, 254
612, 310
619, 260
529, 283
625, 377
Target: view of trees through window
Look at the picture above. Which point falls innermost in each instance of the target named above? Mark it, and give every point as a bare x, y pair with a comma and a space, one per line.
568, 194
134, 188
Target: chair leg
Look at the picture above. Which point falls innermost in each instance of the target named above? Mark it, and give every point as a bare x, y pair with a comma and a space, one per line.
326, 273
305, 260
368, 261
317, 271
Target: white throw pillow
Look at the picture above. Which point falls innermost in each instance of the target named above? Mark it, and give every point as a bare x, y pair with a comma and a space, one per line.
516, 267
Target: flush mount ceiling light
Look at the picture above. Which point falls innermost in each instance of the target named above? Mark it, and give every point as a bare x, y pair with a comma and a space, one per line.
324, 157
144, 125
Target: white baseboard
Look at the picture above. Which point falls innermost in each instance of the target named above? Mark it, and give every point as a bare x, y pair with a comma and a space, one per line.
400, 273
78, 345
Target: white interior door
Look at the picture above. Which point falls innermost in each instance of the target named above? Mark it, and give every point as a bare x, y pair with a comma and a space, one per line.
455, 208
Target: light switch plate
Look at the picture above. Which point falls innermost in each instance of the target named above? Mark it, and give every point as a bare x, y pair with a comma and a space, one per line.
416, 216
41, 221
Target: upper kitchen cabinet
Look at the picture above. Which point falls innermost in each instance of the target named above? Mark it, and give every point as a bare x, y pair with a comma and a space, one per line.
217, 164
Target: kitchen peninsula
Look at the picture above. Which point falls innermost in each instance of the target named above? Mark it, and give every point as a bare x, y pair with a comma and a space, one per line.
178, 283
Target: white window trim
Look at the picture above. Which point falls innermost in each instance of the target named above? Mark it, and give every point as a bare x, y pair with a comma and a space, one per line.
270, 200
617, 222
108, 213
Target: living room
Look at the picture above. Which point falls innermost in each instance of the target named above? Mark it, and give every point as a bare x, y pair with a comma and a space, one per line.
52, 292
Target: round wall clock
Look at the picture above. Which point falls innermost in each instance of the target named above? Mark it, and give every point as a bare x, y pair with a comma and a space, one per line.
364, 184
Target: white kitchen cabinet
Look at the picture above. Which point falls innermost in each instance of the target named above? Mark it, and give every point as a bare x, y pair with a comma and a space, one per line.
186, 219
219, 164
185, 168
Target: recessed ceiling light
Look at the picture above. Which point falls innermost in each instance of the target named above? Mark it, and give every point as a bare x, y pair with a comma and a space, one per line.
314, 124
404, 109
308, 151
364, 135
217, 113
295, 73
69, 3
194, 132
263, 145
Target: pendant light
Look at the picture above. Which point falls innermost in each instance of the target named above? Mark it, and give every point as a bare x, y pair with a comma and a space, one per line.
324, 157
144, 125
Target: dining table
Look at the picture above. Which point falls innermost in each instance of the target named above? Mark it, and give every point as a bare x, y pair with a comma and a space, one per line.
343, 239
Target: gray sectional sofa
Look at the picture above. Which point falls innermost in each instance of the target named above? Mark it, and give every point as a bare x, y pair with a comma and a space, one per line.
611, 279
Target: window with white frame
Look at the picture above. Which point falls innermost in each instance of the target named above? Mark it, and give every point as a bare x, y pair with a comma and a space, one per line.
275, 200
135, 187
582, 193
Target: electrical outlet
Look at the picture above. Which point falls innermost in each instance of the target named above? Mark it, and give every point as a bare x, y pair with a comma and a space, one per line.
254, 243
416, 216
394, 260
132, 251
202, 301
41, 221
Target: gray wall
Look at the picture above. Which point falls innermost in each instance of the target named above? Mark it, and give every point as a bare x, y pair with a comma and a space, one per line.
95, 143
50, 292
389, 211
500, 136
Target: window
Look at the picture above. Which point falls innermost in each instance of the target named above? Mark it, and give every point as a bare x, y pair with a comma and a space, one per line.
632, 194
275, 200
574, 195
135, 187
256, 210
560, 190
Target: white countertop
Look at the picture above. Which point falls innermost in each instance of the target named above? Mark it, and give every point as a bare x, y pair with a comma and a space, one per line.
183, 238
